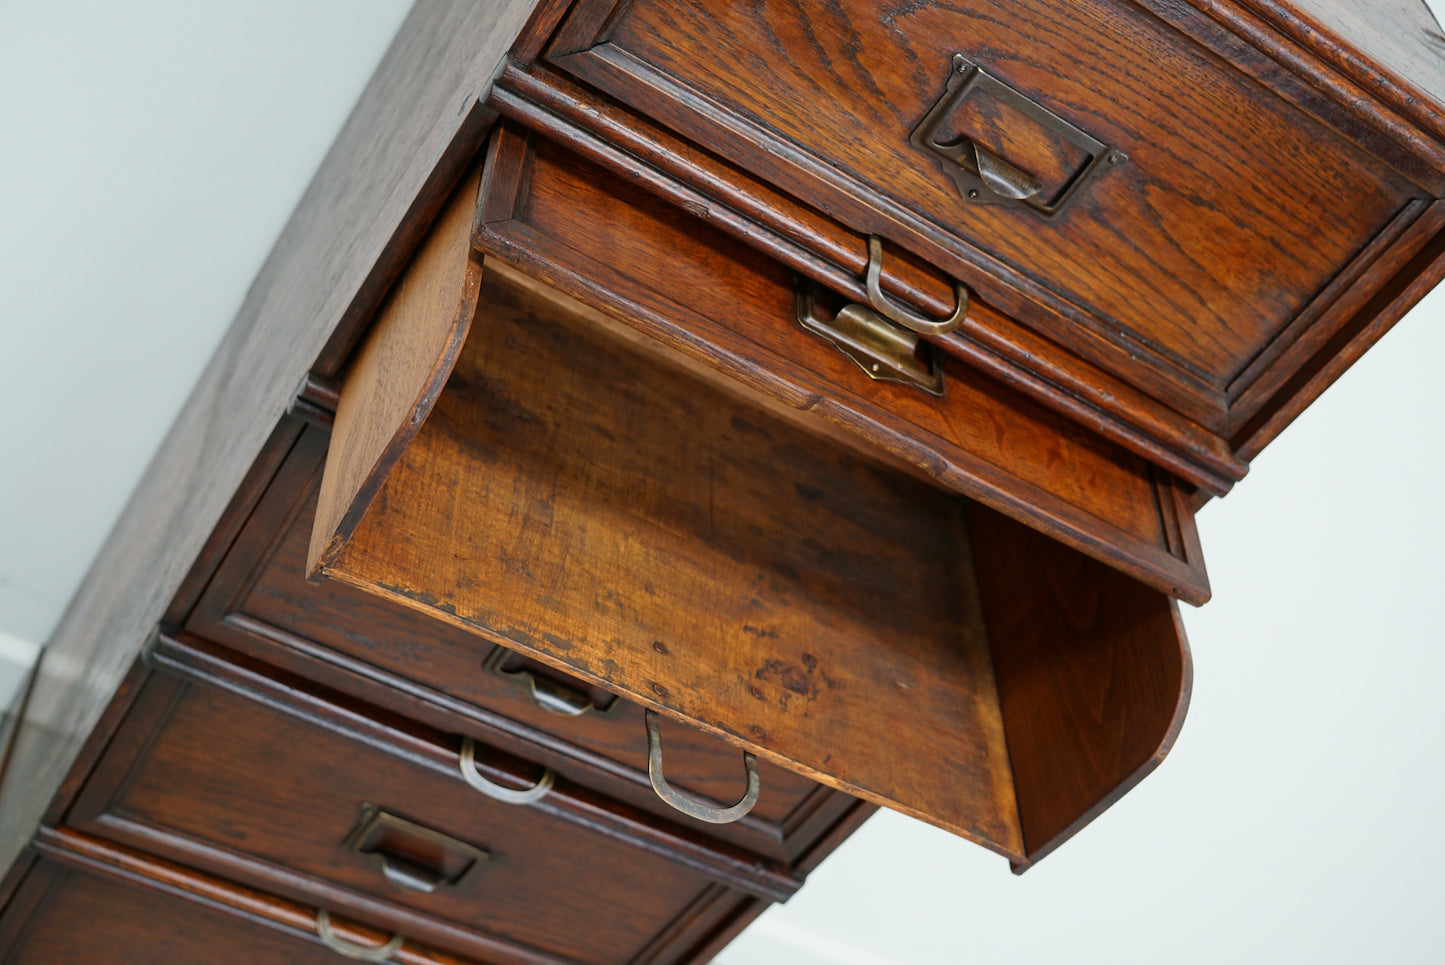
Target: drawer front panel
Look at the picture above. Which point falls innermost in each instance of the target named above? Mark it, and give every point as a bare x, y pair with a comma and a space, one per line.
91, 902
97, 921
1230, 214
235, 773
260, 601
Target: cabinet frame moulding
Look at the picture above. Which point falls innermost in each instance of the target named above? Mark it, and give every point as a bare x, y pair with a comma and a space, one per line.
1378, 118
821, 248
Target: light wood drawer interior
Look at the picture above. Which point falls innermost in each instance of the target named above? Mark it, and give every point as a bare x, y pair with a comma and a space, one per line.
605, 505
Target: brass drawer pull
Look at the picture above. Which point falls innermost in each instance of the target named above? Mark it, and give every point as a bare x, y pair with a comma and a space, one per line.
497, 792
884, 351
547, 693
360, 953
891, 310
696, 809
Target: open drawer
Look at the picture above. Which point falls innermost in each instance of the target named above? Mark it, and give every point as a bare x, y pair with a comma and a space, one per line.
632, 504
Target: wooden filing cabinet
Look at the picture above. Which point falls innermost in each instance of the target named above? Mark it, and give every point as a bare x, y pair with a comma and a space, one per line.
836, 383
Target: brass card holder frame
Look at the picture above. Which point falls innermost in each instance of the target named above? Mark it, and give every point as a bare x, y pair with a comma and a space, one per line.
368, 837
981, 175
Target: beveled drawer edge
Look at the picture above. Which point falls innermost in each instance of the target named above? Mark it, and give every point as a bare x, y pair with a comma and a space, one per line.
546, 743
308, 890
544, 102
526, 256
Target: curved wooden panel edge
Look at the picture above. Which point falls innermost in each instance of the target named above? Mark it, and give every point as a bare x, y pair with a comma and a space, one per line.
1166, 744
399, 372
1093, 670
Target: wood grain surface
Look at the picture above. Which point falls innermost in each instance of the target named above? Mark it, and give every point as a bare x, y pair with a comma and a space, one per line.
398, 373
1093, 673
570, 498
801, 238
657, 269
1232, 212
414, 130
1389, 48
673, 541
94, 902
260, 603
233, 779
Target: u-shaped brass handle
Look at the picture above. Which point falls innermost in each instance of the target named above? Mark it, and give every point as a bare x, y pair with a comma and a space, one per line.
497, 792
688, 806
360, 953
891, 310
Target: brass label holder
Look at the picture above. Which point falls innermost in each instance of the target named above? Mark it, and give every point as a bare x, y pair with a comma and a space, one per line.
982, 176
411, 856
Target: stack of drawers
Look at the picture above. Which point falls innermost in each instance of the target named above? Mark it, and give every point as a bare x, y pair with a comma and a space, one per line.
814, 399
302, 743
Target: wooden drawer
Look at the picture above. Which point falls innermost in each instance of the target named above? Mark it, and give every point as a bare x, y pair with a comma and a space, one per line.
615, 509
1192, 231
90, 901
262, 781
259, 602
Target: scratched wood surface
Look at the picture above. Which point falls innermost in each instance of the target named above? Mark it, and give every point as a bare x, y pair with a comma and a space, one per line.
672, 541
570, 498
1393, 46
261, 603
1231, 214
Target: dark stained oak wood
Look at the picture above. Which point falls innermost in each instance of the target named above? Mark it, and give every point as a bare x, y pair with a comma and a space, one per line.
263, 785
661, 538
93, 902
1373, 319
1232, 212
415, 128
1376, 67
639, 474
582, 495
1088, 720
1393, 46
833, 255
